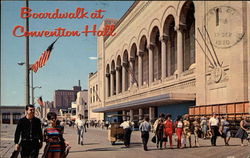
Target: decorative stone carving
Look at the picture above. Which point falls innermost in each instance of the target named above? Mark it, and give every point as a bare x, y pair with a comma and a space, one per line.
217, 75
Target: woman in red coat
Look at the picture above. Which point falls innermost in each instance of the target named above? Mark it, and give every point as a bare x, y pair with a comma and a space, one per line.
168, 129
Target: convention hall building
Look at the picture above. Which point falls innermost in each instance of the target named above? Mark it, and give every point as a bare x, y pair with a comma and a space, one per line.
171, 56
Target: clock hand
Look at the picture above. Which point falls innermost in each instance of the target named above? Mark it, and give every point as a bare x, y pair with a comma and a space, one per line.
207, 47
212, 66
212, 47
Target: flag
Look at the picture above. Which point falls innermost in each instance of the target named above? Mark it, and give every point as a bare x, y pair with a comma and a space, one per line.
40, 101
43, 58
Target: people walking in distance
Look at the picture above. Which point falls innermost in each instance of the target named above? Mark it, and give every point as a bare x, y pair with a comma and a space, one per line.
178, 130
127, 127
186, 130
226, 133
80, 129
197, 129
242, 131
204, 127
73, 123
168, 130
103, 124
56, 147
159, 133
107, 124
158, 129
161, 117
214, 128
30, 130
145, 129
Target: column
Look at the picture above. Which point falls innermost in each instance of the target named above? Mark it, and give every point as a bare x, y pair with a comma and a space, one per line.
140, 114
132, 75
112, 83
123, 76
107, 85
11, 118
151, 113
118, 68
140, 68
124, 115
179, 50
92, 95
163, 40
151, 60
169, 57
131, 115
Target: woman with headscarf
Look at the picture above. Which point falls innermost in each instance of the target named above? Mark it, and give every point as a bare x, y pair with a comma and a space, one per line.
242, 131
159, 133
186, 130
226, 134
197, 129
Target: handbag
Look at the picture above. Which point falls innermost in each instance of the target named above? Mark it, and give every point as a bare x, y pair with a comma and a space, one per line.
183, 141
164, 139
153, 139
15, 154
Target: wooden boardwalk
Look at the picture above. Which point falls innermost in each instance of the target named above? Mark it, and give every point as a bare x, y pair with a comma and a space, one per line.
96, 145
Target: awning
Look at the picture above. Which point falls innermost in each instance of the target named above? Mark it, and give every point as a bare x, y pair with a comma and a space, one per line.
155, 100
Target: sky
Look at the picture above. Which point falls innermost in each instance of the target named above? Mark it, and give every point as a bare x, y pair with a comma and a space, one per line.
69, 60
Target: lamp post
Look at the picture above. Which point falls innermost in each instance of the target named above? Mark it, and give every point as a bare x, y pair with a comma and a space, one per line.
32, 87
32, 94
27, 79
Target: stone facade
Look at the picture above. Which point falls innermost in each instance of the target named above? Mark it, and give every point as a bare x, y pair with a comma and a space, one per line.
193, 55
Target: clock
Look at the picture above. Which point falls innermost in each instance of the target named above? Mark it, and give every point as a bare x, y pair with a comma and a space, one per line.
224, 24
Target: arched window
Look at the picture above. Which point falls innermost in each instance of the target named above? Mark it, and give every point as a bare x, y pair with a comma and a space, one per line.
134, 60
171, 42
126, 66
154, 38
187, 22
145, 61
107, 81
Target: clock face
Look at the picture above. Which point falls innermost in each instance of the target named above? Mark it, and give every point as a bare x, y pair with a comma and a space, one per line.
224, 25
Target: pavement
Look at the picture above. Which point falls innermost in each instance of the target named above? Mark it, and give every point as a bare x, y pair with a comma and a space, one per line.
96, 145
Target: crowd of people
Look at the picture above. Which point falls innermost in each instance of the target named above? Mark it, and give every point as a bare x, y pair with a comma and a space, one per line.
165, 130
202, 128
30, 133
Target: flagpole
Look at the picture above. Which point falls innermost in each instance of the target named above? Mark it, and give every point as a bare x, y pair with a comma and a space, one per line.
27, 79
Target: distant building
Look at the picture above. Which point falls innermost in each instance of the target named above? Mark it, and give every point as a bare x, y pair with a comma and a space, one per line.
48, 107
11, 114
82, 103
63, 98
94, 97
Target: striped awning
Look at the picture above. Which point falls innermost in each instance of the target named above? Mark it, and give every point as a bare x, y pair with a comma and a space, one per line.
155, 100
